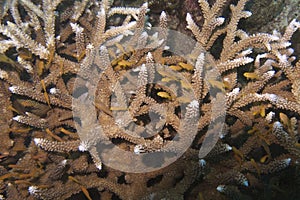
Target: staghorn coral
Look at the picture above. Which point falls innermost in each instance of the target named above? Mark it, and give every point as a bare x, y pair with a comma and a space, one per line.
51, 54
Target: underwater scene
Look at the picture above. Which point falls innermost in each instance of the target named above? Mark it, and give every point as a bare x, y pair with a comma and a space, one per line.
149, 99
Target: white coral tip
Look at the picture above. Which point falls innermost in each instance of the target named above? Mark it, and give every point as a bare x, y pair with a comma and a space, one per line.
64, 162
83, 146
37, 141
288, 161
145, 5
248, 13
221, 188
143, 68
220, 20
290, 51
17, 118
270, 116
91, 46
271, 73
202, 163
166, 47
99, 165
236, 90
3, 75
76, 28
188, 19
163, 15
138, 149
272, 97
32, 189
53, 91
149, 56
102, 12
194, 104
228, 148
277, 125
246, 183
13, 89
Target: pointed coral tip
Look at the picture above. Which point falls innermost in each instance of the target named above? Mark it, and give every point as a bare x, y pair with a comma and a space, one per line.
12, 88
202, 163
37, 141
163, 14
17, 118
288, 161
32, 189
221, 188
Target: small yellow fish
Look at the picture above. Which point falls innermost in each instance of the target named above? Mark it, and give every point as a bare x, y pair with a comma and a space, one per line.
119, 46
25, 54
226, 84
163, 72
237, 152
264, 158
101, 106
4, 58
238, 159
167, 74
255, 166
261, 111
118, 68
217, 84
53, 135
22, 182
166, 79
115, 61
13, 109
164, 95
86, 193
81, 55
65, 131
284, 119
185, 84
251, 75
20, 130
40, 67
253, 130
45, 93
186, 66
200, 195
74, 179
183, 99
175, 67
8, 175
124, 63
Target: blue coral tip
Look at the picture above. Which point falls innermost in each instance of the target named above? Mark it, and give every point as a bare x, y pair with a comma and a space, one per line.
246, 183
202, 162
221, 188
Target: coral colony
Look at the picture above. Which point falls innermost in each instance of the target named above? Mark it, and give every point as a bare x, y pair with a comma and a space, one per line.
50, 54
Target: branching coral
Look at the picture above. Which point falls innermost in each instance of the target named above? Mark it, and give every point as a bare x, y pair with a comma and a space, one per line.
81, 75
